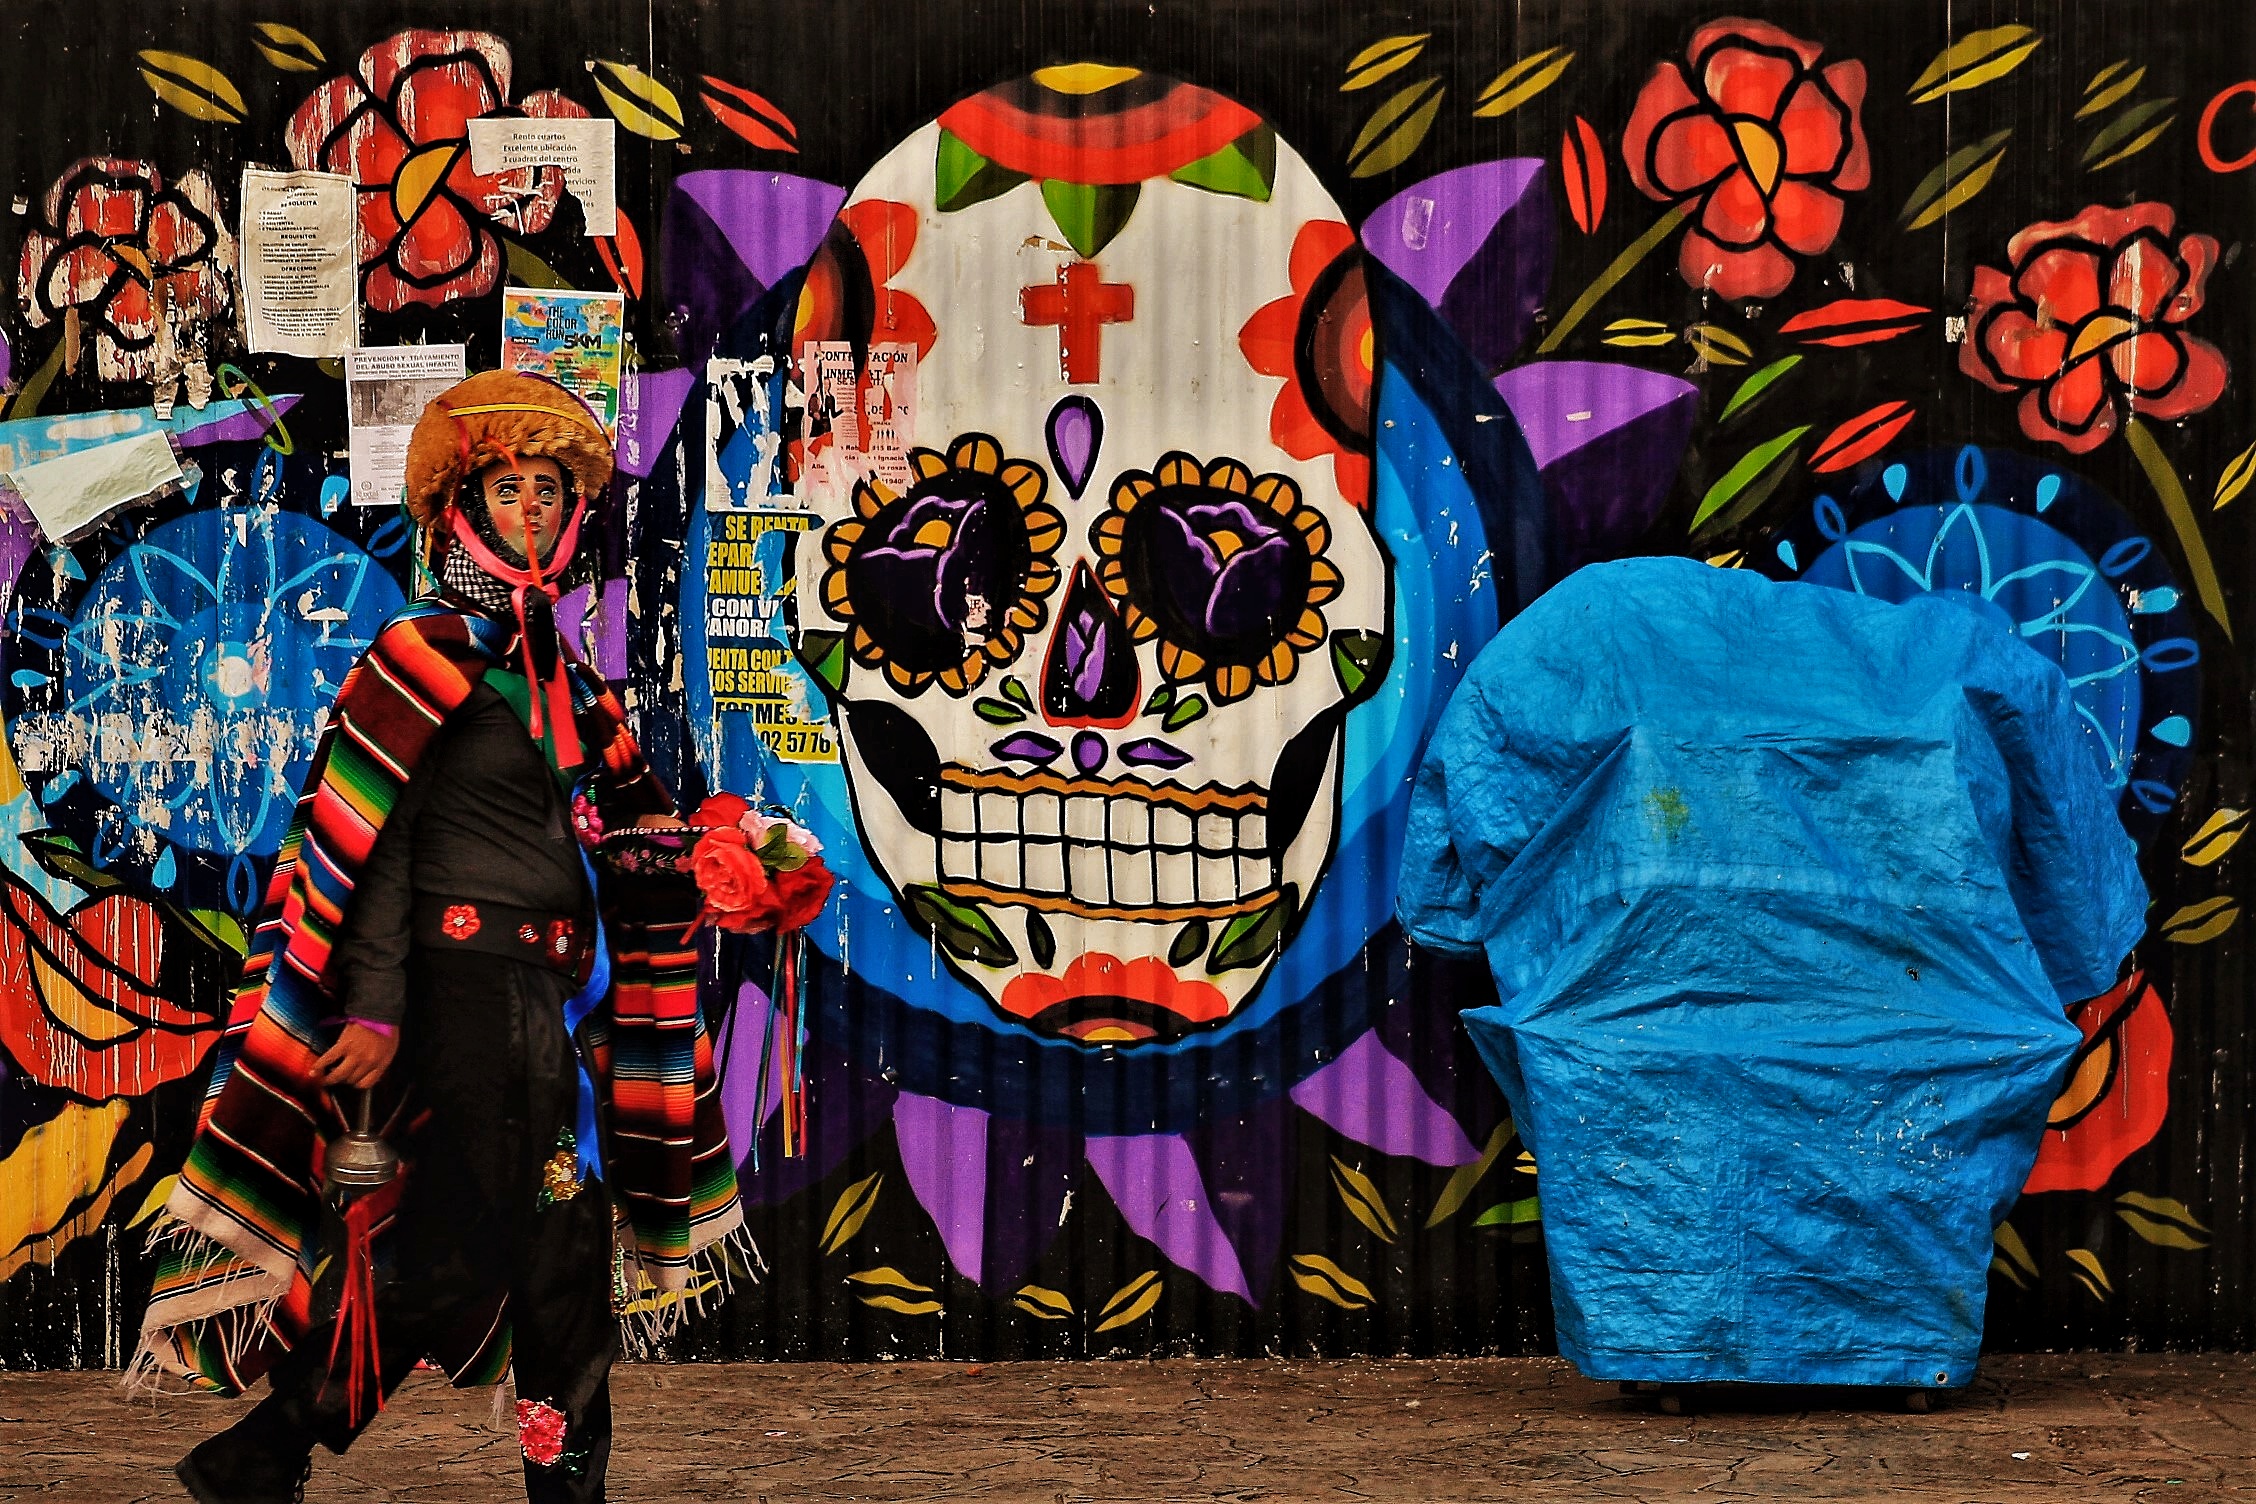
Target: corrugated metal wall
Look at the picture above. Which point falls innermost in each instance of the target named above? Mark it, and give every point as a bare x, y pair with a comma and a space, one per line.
1112, 1045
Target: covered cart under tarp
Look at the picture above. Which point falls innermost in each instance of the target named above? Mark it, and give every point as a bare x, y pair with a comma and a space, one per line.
1785, 890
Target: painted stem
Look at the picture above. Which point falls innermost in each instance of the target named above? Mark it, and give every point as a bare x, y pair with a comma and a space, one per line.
2171, 492
1620, 267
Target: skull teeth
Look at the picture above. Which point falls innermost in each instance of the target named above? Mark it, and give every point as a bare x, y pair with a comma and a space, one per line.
1122, 851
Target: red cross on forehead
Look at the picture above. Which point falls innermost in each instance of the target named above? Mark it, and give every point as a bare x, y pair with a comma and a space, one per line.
1081, 302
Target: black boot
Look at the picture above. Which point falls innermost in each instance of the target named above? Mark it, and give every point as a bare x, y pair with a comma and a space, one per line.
262, 1459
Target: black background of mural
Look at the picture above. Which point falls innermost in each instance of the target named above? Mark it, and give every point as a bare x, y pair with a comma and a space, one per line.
856, 79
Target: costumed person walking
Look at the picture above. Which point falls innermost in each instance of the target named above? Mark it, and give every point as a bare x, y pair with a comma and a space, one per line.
432, 937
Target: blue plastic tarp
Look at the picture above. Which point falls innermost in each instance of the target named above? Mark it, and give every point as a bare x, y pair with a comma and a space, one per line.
1784, 890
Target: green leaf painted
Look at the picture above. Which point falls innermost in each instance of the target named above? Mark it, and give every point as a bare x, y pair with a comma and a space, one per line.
1246, 168
1249, 939
1089, 215
1748, 484
1755, 387
1184, 711
1161, 698
1359, 659
1015, 692
2109, 146
1396, 129
962, 177
1975, 59
995, 712
1962, 174
1466, 1178
823, 654
528, 270
963, 929
1519, 1213
1189, 945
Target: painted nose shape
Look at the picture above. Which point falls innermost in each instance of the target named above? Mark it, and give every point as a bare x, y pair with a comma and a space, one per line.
1090, 677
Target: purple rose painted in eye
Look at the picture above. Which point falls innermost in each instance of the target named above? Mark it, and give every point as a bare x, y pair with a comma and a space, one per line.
936, 568
945, 582
1224, 567
1227, 568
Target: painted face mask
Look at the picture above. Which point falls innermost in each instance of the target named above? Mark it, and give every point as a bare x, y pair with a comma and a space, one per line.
1095, 586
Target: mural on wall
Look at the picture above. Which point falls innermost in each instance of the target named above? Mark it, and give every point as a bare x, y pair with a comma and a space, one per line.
1072, 487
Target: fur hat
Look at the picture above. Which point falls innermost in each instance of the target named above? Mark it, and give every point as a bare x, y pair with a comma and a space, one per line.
501, 415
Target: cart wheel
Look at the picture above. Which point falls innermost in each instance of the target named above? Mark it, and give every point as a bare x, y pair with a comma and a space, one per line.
1631, 1387
1672, 1402
1919, 1401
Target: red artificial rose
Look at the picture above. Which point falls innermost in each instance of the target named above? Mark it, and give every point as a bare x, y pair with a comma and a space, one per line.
735, 885
801, 894
1761, 141
399, 127
2085, 322
721, 809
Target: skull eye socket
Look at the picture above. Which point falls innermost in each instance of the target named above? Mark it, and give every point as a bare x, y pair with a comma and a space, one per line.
947, 581
1225, 569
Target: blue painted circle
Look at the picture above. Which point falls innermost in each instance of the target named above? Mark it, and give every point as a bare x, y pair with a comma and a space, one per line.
2050, 558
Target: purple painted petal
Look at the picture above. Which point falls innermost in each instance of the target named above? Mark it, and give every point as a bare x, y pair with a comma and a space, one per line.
736, 1060
1370, 1096
1027, 746
650, 404
729, 236
1247, 1162
608, 656
845, 1107
232, 422
1476, 242
1151, 752
1154, 1180
944, 1154
1076, 430
1608, 440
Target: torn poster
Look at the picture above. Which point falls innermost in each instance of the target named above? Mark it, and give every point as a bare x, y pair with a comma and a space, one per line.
859, 415
386, 390
586, 150
575, 339
300, 281
747, 652
70, 495
742, 437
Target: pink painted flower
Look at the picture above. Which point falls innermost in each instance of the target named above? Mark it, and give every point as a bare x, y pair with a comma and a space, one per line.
1761, 141
2086, 321
399, 127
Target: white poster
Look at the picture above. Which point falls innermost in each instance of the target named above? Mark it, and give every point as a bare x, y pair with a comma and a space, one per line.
859, 416
587, 150
386, 390
301, 274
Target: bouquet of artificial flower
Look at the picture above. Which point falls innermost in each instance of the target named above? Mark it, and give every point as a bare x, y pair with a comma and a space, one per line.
757, 872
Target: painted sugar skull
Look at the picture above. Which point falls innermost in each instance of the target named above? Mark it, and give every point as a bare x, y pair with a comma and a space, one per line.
1088, 368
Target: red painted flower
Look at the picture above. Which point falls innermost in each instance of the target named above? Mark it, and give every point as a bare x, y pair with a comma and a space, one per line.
1762, 141
1319, 338
2086, 320
114, 243
1094, 977
460, 921
400, 129
2118, 1090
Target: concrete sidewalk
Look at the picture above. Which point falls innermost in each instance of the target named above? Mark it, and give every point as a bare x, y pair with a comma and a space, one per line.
2080, 1427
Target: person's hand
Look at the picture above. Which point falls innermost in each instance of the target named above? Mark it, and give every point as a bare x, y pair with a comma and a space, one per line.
661, 822
360, 1057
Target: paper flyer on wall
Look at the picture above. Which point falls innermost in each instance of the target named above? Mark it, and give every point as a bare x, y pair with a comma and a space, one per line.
586, 151
859, 416
300, 274
753, 670
575, 339
386, 390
